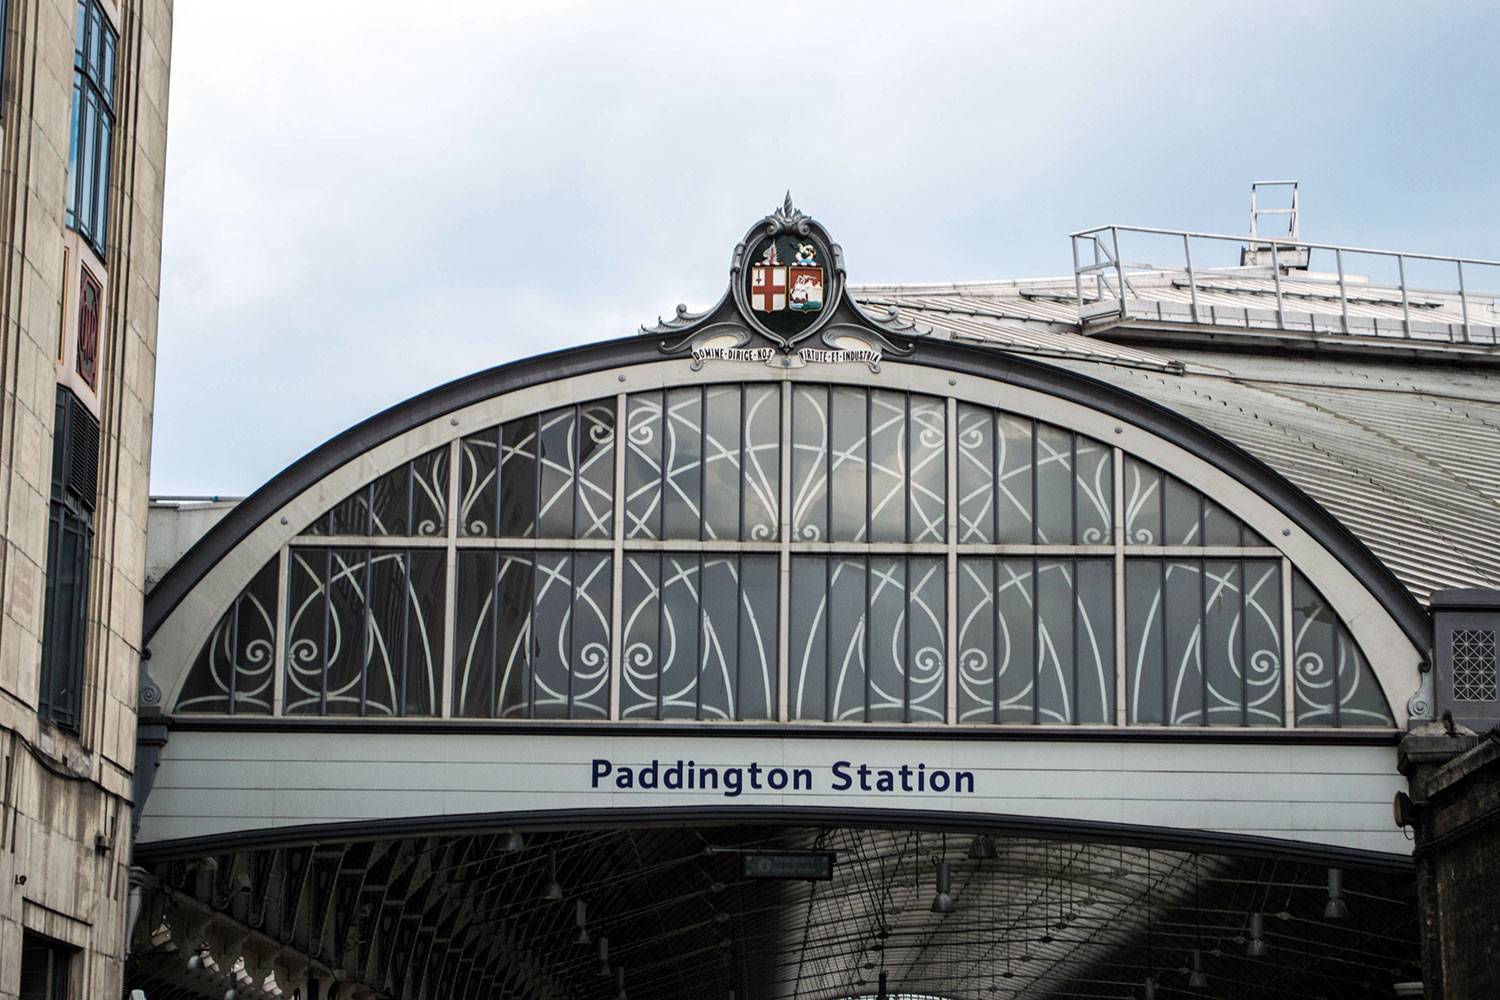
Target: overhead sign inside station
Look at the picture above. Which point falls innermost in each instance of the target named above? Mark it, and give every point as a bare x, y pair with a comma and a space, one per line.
806, 866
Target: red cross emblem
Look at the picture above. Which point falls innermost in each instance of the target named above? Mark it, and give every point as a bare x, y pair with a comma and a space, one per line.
767, 288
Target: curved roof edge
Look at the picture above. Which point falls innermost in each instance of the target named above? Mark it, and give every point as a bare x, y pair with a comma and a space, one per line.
983, 362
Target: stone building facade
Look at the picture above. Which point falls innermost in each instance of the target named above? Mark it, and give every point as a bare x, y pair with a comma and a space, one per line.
84, 121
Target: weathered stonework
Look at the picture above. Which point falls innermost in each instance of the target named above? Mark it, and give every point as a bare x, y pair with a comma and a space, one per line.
64, 798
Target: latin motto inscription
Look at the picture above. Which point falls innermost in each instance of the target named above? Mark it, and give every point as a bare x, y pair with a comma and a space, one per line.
734, 780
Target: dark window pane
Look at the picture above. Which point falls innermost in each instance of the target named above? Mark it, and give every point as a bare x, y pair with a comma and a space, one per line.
723, 477
886, 624
1262, 643
348, 604
682, 461
762, 463
759, 603
1181, 514
474, 635
678, 649
423, 670
1017, 656
307, 607
592, 592
477, 485
552, 626
976, 475
1095, 641
1145, 643
1056, 673
1184, 606
516, 642
810, 463
385, 633
1094, 500
847, 639
640, 627
643, 465
809, 637
718, 641
977, 637
1016, 479
849, 443
518, 478
556, 454
888, 454
1223, 633
429, 493
1143, 497
596, 470
926, 643
352, 515
390, 503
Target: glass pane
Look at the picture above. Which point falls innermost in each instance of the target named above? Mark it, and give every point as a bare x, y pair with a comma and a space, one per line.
977, 638
1183, 602
1223, 634
596, 470
518, 478
1219, 526
719, 639
762, 472
429, 482
1181, 514
809, 638
1054, 485
722, 477
424, 631
100, 228
1095, 499
847, 596
348, 603
1056, 664
515, 649
307, 607
74, 137
1016, 654
926, 643
1361, 702
474, 636
1145, 643
1262, 642
977, 452
849, 442
1095, 641
1017, 484
641, 614
643, 458
552, 616
888, 653
682, 457
556, 454
390, 503
233, 671
1143, 492
593, 580
352, 515
887, 457
757, 675
477, 486
810, 463
1315, 655
679, 637
929, 470
385, 636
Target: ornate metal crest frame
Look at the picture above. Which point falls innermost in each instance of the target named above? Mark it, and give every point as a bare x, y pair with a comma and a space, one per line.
756, 321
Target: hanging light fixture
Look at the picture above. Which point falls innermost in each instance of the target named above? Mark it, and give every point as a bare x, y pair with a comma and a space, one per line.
1196, 978
1257, 946
1150, 984
580, 915
602, 969
982, 848
552, 888
196, 962
943, 901
1150, 989
1336, 909
510, 842
620, 982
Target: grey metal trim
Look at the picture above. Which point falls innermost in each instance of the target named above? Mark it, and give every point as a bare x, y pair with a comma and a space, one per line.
1217, 736
988, 363
925, 819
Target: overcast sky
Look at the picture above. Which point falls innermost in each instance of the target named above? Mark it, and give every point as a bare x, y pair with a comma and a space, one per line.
367, 199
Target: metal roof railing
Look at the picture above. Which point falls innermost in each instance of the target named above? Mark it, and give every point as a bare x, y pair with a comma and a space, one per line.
1099, 259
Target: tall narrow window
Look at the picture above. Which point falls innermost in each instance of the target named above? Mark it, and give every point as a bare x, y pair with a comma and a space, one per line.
93, 124
70, 535
44, 969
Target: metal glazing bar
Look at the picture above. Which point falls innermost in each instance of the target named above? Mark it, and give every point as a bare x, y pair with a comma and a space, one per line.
1121, 653
784, 556
1077, 275
450, 581
1405, 299
617, 568
950, 567
1119, 268
1276, 277
1288, 649
1463, 300
1338, 256
1187, 251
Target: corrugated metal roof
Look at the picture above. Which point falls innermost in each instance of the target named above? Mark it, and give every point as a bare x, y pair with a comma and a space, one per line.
1405, 451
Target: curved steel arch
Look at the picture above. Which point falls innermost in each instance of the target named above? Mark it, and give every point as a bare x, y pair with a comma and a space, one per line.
987, 363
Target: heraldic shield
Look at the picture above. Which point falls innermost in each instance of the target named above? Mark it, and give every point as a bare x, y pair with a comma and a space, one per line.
787, 277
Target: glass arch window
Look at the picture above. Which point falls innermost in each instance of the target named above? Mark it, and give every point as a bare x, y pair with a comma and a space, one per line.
785, 551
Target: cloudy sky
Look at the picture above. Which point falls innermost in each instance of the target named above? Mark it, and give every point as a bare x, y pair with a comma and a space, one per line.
364, 201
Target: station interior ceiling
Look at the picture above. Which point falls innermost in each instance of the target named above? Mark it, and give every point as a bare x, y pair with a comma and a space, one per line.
470, 915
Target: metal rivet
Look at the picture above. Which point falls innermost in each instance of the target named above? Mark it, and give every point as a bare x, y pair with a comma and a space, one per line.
1286, 531
953, 381
285, 521
454, 422
1119, 430
620, 377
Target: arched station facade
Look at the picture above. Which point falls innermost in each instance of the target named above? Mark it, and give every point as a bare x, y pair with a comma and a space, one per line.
496, 693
